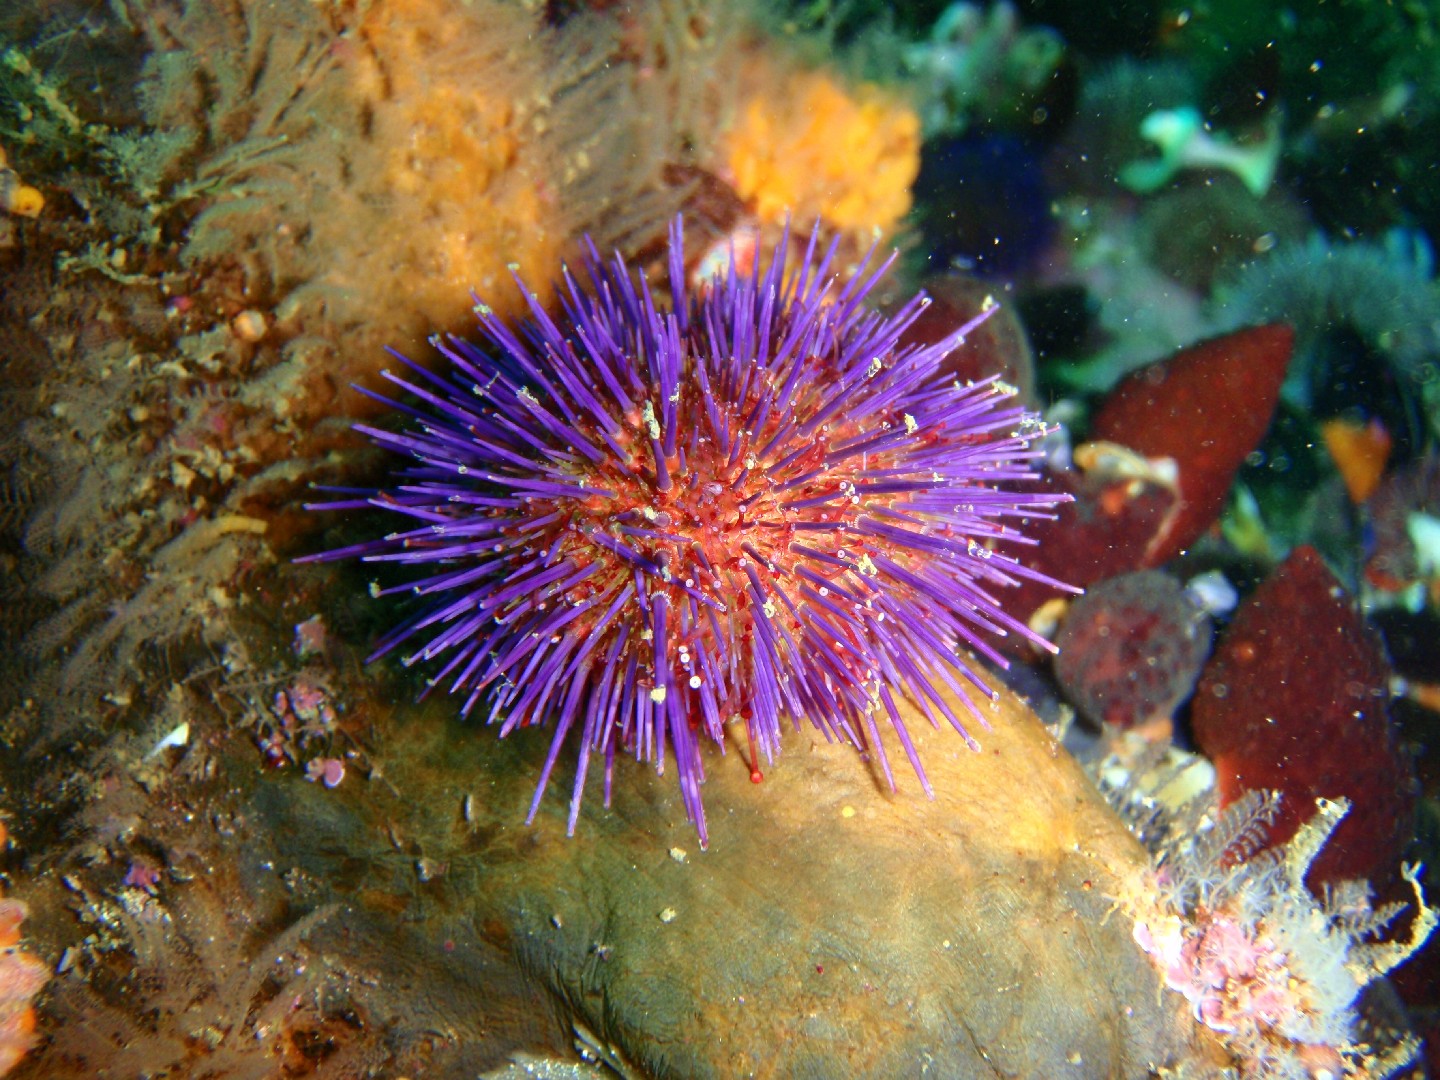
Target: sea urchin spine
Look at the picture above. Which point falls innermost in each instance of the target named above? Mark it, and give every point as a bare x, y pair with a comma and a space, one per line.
650, 524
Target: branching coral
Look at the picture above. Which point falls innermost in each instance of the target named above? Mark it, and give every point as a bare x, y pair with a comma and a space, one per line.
1272, 970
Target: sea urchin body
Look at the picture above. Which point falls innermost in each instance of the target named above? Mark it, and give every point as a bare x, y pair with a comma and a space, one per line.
753, 506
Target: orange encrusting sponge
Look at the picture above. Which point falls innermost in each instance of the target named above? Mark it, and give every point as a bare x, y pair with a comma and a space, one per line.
813, 148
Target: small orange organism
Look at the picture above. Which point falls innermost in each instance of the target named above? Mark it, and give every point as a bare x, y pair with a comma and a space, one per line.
811, 147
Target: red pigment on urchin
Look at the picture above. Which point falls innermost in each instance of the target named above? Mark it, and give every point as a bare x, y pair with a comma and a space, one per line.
754, 506
712, 521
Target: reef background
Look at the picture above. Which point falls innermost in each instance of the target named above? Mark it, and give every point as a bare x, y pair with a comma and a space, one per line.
245, 853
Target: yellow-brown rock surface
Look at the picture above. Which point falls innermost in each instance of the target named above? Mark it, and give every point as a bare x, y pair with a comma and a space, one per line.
832, 929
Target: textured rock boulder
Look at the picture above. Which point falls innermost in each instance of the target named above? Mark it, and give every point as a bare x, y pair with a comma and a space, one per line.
831, 930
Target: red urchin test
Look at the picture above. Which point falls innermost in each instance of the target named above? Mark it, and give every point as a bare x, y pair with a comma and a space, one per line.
656, 521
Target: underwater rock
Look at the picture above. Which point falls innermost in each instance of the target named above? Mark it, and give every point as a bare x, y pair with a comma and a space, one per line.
1131, 649
832, 929
1207, 407
1295, 700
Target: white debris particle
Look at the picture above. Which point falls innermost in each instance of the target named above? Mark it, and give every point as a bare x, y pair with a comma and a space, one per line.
679, 854
651, 423
657, 695
876, 366
668, 915
911, 426
867, 567
179, 735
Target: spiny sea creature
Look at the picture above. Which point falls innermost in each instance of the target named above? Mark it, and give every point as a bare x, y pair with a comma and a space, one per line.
751, 506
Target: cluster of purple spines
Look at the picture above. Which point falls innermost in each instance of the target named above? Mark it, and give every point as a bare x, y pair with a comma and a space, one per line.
651, 523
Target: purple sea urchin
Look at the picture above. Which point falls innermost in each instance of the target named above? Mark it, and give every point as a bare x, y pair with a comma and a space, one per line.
754, 505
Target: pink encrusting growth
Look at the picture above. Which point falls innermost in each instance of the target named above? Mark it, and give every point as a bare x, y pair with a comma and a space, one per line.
1273, 970
750, 506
